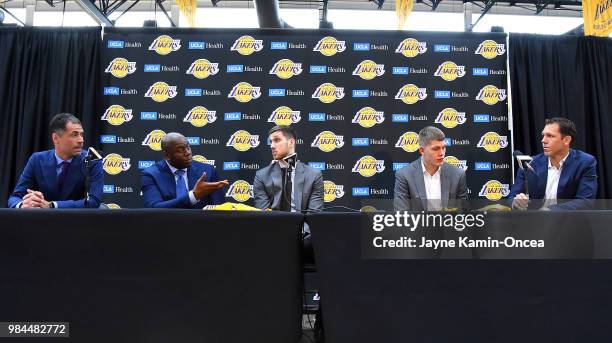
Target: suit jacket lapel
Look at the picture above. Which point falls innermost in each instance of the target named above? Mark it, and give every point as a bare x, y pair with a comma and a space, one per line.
566, 171
298, 186
168, 178
444, 184
49, 169
72, 177
541, 180
419, 181
277, 181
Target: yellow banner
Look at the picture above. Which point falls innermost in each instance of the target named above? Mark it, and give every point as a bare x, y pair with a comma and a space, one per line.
597, 17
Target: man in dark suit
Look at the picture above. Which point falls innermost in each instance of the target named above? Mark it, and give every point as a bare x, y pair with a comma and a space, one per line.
429, 183
179, 182
57, 178
303, 192
561, 178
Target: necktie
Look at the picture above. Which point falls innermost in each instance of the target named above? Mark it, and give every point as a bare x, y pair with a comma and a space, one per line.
285, 203
62, 175
181, 187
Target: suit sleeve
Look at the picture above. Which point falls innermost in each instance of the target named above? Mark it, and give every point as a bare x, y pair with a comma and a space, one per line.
585, 192
316, 202
217, 197
401, 194
262, 201
517, 187
152, 197
26, 180
96, 181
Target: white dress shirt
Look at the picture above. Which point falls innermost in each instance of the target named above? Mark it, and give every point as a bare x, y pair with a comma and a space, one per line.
552, 182
192, 197
433, 189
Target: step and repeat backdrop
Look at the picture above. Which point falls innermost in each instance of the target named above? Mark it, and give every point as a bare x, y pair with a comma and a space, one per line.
357, 100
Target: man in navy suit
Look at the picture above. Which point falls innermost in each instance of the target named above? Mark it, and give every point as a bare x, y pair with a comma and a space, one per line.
179, 182
562, 178
56, 178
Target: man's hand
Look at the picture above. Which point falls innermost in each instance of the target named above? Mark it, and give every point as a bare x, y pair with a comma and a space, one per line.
35, 199
203, 188
520, 202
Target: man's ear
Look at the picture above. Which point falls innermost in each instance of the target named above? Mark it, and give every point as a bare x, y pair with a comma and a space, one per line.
567, 140
421, 150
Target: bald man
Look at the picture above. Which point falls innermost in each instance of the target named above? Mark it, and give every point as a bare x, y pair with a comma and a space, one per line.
178, 181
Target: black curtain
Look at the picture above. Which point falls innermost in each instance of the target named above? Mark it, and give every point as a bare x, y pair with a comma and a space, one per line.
44, 71
568, 77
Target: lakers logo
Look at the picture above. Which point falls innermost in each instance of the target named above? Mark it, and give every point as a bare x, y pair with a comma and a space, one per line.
114, 164
117, 115
203, 159
164, 45
328, 141
449, 71
241, 140
113, 206
240, 190
489, 49
329, 46
492, 142
120, 67
286, 68
283, 115
161, 91
368, 117
411, 47
247, 45
203, 68
368, 166
450, 118
368, 70
491, 95
410, 94
494, 190
331, 191
455, 162
409, 141
200, 116
328, 93
153, 139
244, 92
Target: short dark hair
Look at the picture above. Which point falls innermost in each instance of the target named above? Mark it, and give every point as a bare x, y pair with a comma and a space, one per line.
59, 121
566, 126
287, 131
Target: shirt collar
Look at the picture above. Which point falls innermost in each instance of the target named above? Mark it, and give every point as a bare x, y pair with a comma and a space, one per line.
58, 160
425, 170
560, 163
173, 170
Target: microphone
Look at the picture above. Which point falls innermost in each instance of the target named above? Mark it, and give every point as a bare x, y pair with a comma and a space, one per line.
290, 161
92, 155
524, 161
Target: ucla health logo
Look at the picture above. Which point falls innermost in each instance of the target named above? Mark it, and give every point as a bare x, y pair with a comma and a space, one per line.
327, 141
411, 47
284, 115
450, 118
161, 91
331, 191
286, 68
247, 45
409, 142
153, 139
489, 49
200, 116
203, 68
203, 159
114, 164
117, 115
491, 95
449, 71
494, 190
120, 67
368, 166
410, 94
368, 117
329, 46
492, 142
244, 92
368, 70
328, 93
240, 191
164, 45
241, 140
455, 162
